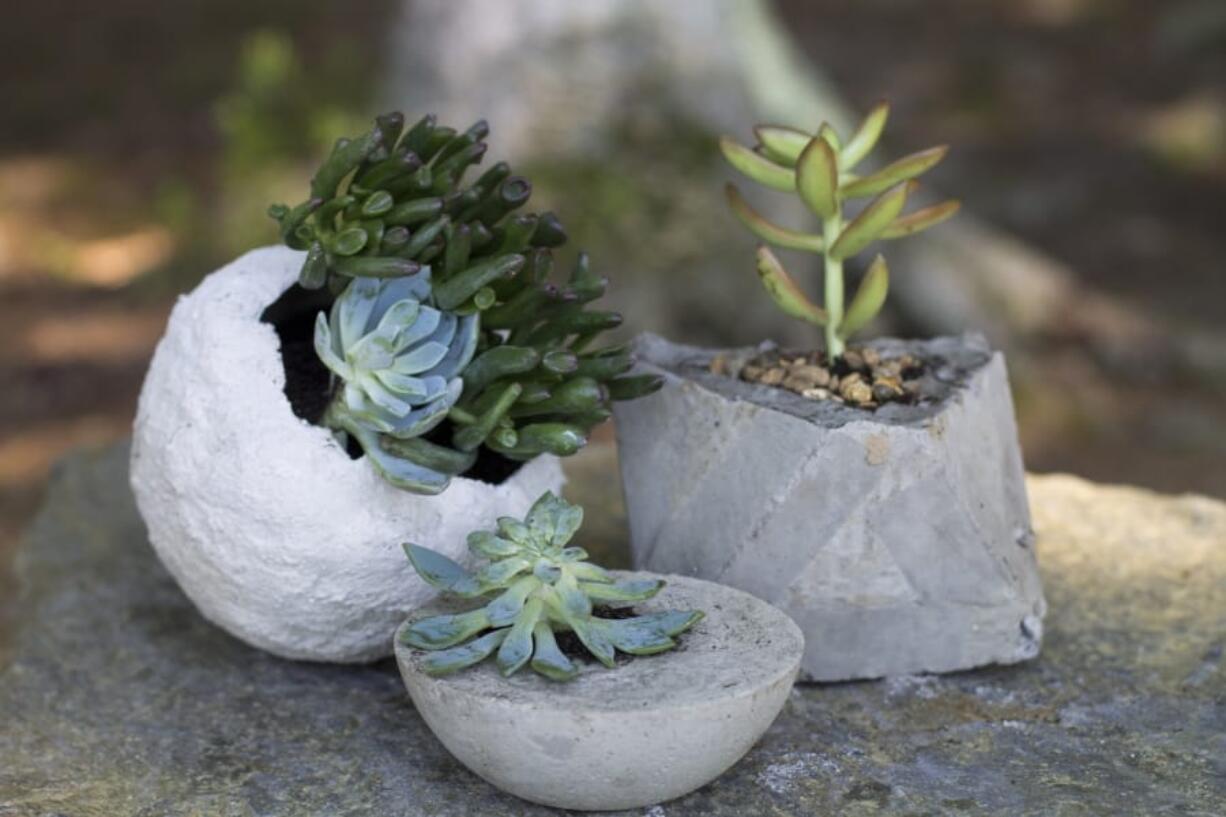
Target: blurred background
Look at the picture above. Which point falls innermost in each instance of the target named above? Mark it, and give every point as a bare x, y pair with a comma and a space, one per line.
143, 141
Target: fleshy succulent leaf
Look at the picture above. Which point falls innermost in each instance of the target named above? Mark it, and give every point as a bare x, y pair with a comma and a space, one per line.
782, 144
905, 168
766, 230
921, 219
817, 178
631, 590
865, 138
441, 572
869, 298
439, 632
871, 222
516, 648
547, 659
465, 655
757, 167
784, 291
503, 610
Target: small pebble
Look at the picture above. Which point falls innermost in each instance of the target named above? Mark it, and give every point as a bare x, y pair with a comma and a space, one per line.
853, 359
771, 377
871, 357
719, 365
816, 394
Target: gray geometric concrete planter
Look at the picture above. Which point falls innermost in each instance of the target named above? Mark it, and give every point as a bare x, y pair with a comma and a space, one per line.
648, 730
898, 539
273, 531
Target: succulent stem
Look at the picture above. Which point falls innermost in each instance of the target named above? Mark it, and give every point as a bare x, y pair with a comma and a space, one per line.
831, 228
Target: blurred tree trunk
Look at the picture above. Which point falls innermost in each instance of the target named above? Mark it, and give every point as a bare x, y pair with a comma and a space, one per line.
612, 107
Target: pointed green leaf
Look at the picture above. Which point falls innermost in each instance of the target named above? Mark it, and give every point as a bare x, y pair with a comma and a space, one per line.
497, 574
503, 610
921, 219
872, 221
669, 622
866, 136
516, 648
757, 167
784, 291
547, 659
905, 168
868, 300
491, 546
627, 636
595, 638
633, 386
767, 231
817, 178
781, 143
513, 529
588, 572
437, 632
574, 601
630, 590
457, 658
441, 572
831, 136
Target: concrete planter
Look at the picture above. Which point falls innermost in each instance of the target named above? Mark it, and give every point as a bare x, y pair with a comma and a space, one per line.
267, 524
647, 731
899, 540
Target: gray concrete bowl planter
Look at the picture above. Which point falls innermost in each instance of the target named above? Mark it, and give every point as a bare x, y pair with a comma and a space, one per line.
275, 533
648, 730
899, 539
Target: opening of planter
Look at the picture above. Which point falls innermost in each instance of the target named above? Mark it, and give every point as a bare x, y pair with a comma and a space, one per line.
309, 386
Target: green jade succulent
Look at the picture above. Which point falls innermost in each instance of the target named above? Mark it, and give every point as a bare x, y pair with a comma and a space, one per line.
543, 587
819, 168
392, 204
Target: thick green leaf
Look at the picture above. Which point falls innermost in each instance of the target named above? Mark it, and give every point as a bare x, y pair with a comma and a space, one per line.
438, 632
630, 637
588, 572
441, 572
431, 455
498, 574
594, 638
868, 300
781, 143
866, 136
905, 168
766, 230
757, 167
573, 600
921, 219
516, 648
547, 659
515, 530
831, 136
669, 622
633, 386
784, 292
872, 221
490, 545
457, 658
629, 590
817, 178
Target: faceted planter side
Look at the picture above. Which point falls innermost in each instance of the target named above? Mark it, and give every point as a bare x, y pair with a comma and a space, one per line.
899, 540
271, 529
648, 730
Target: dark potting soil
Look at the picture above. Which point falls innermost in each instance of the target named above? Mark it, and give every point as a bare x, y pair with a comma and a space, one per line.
309, 387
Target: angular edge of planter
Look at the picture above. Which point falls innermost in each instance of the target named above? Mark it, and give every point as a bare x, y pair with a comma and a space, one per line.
899, 540
268, 526
649, 730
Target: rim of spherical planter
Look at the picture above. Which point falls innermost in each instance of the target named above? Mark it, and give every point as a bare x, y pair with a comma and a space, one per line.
648, 730
899, 539
273, 531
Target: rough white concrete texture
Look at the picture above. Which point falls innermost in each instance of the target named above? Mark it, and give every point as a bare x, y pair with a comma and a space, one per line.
266, 523
648, 730
899, 540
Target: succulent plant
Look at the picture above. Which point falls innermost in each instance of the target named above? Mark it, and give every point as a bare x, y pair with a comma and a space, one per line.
543, 587
819, 168
398, 362
392, 204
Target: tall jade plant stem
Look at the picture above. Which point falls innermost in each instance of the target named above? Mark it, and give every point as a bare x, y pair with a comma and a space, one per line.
831, 227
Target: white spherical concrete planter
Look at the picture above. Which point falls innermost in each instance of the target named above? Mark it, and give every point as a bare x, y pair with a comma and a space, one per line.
899, 540
266, 523
649, 730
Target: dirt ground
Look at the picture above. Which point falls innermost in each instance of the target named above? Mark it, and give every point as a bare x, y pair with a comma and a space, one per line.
1087, 128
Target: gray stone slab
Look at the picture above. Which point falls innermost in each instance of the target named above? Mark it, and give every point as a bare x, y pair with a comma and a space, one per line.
118, 699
